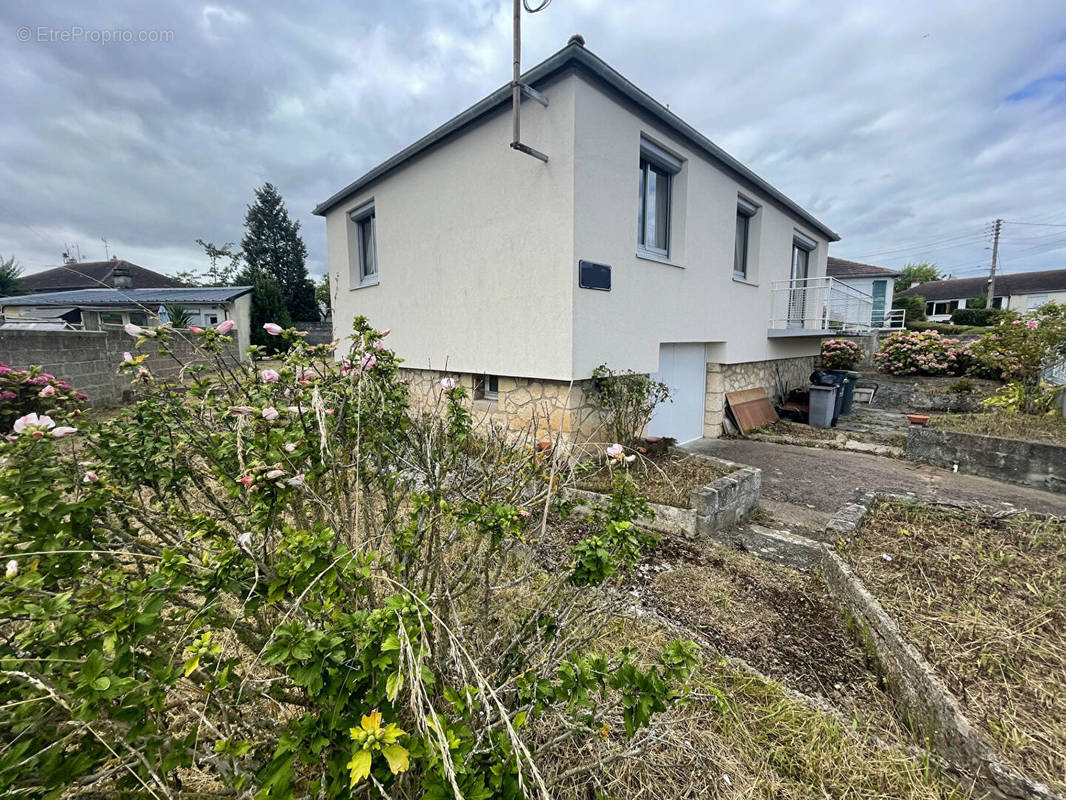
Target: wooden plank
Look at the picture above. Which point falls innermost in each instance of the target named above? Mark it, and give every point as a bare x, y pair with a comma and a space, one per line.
751, 408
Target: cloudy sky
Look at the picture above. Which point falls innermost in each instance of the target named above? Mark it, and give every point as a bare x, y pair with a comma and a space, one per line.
907, 126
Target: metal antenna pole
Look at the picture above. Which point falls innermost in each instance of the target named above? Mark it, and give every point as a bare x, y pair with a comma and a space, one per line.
516, 89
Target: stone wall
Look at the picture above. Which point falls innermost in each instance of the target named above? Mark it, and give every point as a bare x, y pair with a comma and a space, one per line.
926, 392
778, 376
545, 409
88, 360
317, 332
1012, 460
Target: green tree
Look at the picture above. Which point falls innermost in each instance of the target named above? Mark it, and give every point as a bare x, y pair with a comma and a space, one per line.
272, 246
914, 306
917, 273
268, 305
10, 272
225, 263
179, 315
323, 295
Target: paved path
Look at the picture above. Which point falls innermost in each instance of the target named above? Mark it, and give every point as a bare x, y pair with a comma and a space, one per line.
804, 487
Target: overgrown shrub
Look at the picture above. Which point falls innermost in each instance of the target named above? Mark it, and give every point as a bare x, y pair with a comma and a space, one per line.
279, 583
979, 317
840, 354
627, 400
1022, 347
1016, 396
914, 306
917, 353
962, 386
33, 391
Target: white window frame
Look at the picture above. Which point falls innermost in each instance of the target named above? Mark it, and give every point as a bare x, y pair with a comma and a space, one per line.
654, 157
359, 218
486, 392
748, 210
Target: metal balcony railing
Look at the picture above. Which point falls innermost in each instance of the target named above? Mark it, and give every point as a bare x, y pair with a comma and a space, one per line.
893, 319
821, 304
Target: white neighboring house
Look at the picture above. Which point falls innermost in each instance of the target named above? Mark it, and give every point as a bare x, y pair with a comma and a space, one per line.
876, 282
639, 244
1016, 291
105, 309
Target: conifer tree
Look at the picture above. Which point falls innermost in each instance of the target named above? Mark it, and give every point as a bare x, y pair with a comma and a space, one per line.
273, 248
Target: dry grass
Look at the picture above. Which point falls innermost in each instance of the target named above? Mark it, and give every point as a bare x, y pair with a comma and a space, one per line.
1048, 428
666, 479
739, 736
984, 599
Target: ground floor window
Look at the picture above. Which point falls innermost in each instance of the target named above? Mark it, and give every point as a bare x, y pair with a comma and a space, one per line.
487, 387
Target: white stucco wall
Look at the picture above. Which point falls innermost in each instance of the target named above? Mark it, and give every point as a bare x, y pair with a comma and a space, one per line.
474, 246
1020, 302
697, 300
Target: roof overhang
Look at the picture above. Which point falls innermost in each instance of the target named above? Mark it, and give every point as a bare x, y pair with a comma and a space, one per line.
576, 56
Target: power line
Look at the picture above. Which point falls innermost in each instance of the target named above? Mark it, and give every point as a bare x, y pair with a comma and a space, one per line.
925, 246
1037, 224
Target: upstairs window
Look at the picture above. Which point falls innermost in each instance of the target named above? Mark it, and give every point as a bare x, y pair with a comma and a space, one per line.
745, 212
657, 168
364, 261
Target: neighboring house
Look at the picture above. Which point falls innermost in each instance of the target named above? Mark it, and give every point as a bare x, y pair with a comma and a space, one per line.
103, 309
639, 244
876, 282
1017, 291
112, 274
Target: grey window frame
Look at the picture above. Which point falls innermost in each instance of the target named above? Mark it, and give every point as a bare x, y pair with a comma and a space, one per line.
745, 210
488, 393
362, 217
655, 158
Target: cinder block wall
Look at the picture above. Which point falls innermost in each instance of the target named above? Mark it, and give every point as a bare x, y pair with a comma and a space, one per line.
89, 360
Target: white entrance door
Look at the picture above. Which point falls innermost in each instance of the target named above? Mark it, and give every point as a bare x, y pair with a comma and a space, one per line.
682, 367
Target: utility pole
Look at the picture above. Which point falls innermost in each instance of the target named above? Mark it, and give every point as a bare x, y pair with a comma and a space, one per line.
995, 258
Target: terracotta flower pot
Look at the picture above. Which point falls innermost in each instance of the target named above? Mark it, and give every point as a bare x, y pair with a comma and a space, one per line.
918, 419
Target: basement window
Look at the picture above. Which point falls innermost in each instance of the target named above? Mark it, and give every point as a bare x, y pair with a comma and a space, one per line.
487, 387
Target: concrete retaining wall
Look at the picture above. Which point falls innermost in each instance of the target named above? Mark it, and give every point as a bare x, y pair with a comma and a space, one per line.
926, 393
1027, 463
88, 360
716, 507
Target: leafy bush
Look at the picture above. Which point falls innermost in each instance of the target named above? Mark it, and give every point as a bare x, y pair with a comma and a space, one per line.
32, 391
627, 400
978, 317
914, 306
917, 353
1022, 347
840, 354
962, 386
279, 583
1016, 396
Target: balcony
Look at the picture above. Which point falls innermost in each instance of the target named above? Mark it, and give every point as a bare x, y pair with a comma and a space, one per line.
825, 307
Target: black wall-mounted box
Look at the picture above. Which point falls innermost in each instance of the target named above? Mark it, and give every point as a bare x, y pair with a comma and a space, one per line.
591, 275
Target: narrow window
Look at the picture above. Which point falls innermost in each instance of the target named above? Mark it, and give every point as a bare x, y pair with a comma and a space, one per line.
490, 387
745, 211
364, 261
657, 168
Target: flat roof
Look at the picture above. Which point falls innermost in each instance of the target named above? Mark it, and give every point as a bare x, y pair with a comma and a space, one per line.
125, 297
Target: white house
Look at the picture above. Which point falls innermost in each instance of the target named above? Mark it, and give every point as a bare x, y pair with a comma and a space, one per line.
638, 244
875, 282
102, 309
1016, 291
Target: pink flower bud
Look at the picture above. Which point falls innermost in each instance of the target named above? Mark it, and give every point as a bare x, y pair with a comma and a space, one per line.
296, 480
63, 431
368, 362
225, 326
289, 447
127, 356
269, 376
133, 330
274, 474
196, 330
378, 345
270, 413
90, 477
448, 383
47, 391
246, 480
272, 328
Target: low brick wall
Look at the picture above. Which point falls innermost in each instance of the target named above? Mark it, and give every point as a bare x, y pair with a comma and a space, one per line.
716, 507
89, 360
1036, 464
